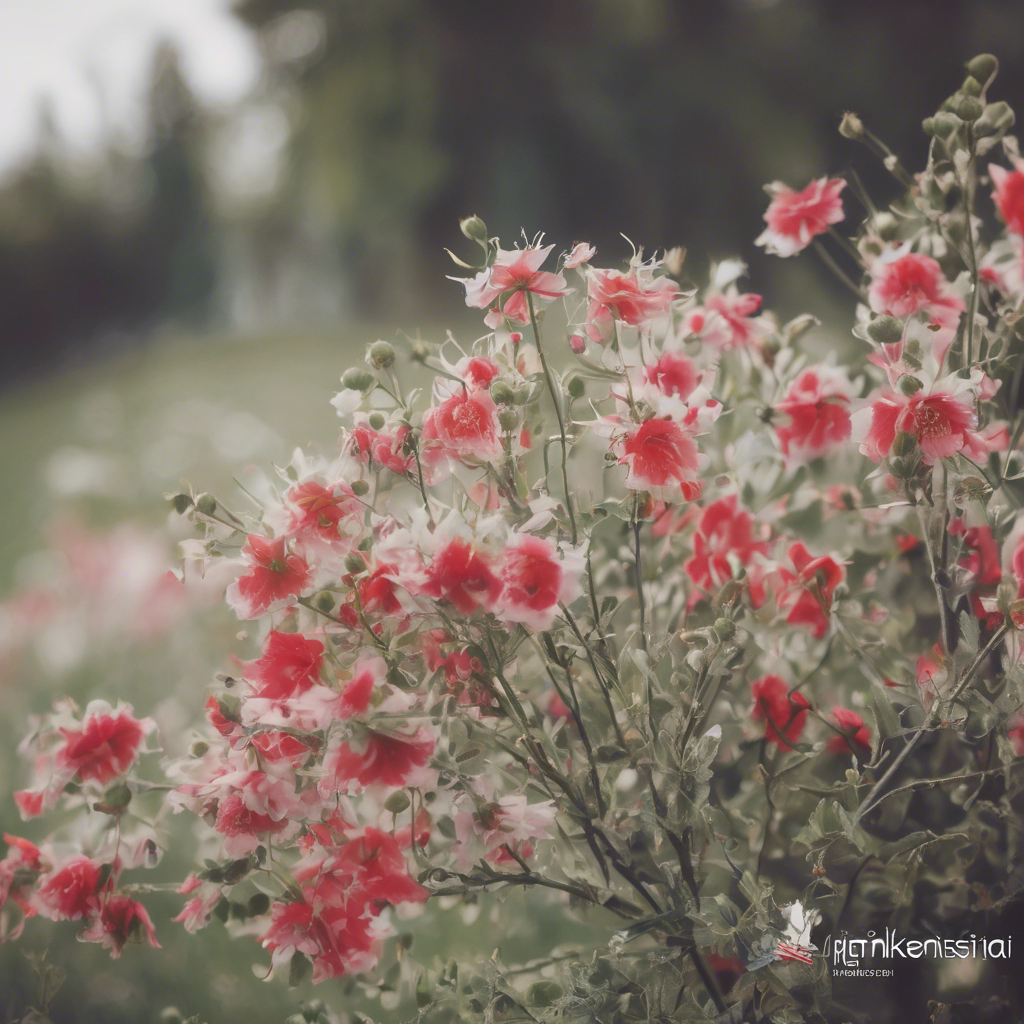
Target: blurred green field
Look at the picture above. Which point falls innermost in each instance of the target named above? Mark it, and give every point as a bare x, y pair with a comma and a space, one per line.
108, 442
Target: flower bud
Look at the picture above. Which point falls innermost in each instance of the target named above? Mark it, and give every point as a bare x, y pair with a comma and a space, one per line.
971, 86
886, 330
508, 418
181, 503
983, 67
198, 748
578, 344
259, 903
928, 125
171, 1015
474, 229
397, 802
355, 379
970, 108
725, 629
946, 124
377, 420
360, 487
502, 393
382, 354
206, 503
523, 394
118, 796
909, 385
576, 387
354, 563
904, 445
851, 126
997, 119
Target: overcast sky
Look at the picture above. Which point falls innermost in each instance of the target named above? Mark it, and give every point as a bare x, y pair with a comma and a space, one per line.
61, 50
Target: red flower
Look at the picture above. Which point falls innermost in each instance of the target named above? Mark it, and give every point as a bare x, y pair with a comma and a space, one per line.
288, 665
235, 821
942, 419
358, 692
384, 760
518, 271
725, 532
795, 218
104, 747
121, 920
635, 298
274, 575
387, 449
1009, 194
673, 375
534, 580
71, 893
317, 510
465, 426
817, 405
913, 283
804, 592
856, 736
783, 713
462, 576
663, 458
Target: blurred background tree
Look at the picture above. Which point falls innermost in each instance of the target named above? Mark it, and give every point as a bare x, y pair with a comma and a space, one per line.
330, 190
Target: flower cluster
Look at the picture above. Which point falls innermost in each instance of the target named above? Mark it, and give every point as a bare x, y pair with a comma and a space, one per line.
626, 617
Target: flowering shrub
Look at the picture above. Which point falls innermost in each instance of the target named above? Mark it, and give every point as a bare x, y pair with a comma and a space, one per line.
712, 639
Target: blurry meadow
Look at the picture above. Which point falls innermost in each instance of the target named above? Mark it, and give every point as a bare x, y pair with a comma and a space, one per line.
180, 291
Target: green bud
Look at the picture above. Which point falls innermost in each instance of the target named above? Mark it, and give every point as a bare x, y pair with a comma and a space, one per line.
946, 124
851, 126
983, 67
206, 503
360, 487
474, 229
325, 601
725, 629
909, 385
971, 86
118, 796
970, 108
397, 802
354, 563
356, 379
928, 125
258, 904
502, 393
904, 445
181, 503
382, 354
523, 394
377, 420
997, 119
198, 748
171, 1015
886, 330
576, 387
508, 418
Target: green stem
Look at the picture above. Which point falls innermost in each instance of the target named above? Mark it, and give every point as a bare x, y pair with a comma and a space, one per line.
556, 399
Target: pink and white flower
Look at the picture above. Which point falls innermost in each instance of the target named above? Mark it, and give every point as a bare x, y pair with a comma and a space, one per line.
794, 218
